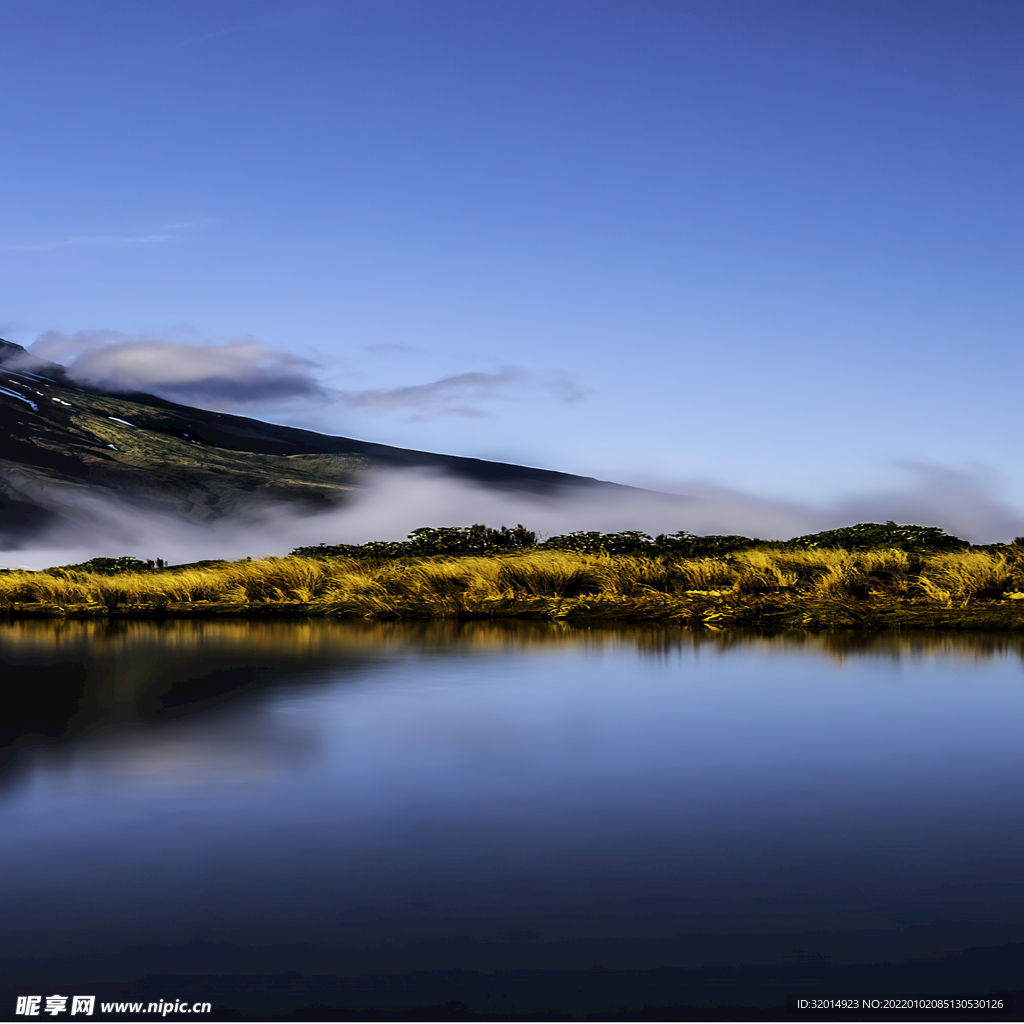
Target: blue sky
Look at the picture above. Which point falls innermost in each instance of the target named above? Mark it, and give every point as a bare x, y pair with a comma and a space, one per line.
773, 244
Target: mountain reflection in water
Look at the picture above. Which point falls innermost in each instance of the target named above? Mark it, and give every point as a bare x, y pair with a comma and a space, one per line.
334, 798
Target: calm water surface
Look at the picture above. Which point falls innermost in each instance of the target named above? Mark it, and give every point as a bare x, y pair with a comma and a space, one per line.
340, 798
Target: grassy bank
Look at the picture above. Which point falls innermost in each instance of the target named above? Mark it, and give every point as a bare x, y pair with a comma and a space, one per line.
766, 587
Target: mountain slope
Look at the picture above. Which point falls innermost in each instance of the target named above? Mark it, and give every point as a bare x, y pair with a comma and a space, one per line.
62, 440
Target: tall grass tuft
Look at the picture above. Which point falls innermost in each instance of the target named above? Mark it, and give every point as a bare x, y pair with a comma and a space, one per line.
965, 575
760, 572
774, 586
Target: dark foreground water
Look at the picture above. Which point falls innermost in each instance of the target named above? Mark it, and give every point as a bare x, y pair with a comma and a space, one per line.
521, 818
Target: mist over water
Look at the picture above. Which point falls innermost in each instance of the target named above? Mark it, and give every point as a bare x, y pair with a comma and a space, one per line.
394, 502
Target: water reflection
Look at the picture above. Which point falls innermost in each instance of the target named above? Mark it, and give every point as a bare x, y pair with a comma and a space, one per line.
117, 687
285, 796
62, 681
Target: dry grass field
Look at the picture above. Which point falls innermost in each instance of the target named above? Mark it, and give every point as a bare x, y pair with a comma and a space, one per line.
765, 587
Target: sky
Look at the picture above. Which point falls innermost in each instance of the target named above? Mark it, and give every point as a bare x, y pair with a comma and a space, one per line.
770, 244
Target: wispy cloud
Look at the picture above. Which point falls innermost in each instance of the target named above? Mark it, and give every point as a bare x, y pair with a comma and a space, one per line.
167, 231
109, 241
387, 349
460, 394
294, 14
446, 396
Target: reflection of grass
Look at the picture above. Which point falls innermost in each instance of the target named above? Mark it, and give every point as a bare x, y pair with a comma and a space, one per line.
828, 588
145, 649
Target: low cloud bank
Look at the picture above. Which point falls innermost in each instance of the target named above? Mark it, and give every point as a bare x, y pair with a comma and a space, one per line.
395, 502
246, 374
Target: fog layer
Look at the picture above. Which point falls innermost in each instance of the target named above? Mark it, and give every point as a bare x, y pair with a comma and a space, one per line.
395, 502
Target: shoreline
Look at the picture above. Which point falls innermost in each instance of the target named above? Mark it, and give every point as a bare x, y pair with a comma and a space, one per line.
708, 612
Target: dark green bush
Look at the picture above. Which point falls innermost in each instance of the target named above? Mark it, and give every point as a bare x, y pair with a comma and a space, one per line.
469, 540
628, 542
433, 540
111, 566
865, 536
685, 545
484, 540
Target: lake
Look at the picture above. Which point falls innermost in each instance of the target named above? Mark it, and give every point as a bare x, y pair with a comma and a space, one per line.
509, 815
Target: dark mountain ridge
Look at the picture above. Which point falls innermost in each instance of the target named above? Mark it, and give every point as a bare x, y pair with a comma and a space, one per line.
64, 440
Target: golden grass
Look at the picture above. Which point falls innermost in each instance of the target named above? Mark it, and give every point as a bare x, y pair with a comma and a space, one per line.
965, 574
762, 586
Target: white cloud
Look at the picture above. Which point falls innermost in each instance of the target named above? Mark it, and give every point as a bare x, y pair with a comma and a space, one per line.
234, 374
246, 373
